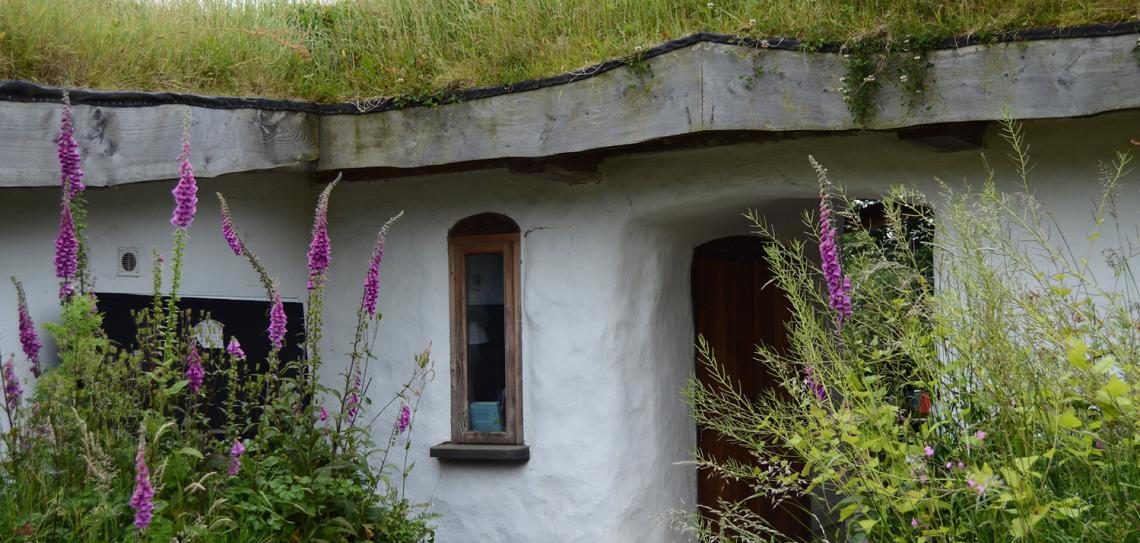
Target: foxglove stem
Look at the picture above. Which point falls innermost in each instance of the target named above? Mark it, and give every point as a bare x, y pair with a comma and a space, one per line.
239, 247
320, 248
194, 372
28, 339
276, 322
12, 391
186, 191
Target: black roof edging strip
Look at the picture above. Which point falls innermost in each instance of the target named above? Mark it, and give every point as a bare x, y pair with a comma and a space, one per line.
23, 91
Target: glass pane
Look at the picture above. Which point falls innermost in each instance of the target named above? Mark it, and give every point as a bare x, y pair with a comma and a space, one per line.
486, 342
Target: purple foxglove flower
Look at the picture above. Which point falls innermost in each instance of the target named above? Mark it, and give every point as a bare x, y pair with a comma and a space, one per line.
186, 191
277, 322
142, 501
320, 248
12, 390
353, 402
28, 339
372, 278
71, 176
235, 458
404, 420
234, 348
194, 371
838, 285
814, 386
66, 249
229, 233
324, 415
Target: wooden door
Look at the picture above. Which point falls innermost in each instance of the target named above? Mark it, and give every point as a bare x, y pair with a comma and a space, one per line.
734, 311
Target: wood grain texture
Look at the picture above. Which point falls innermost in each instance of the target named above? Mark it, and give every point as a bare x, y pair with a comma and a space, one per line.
127, 145
702, 88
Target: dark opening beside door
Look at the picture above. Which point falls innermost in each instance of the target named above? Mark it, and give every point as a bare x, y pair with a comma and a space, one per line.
734, 311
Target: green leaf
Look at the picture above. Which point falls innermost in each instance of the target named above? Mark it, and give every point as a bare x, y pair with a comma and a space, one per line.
1116, 388
1077, 353
848, 511
1069, 419
191, 451
176, 387
867, 524
1105, 364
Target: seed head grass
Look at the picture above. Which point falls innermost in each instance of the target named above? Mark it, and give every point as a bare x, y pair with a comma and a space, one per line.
356, 49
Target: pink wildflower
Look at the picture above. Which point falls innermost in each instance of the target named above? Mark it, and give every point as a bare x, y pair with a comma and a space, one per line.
404, 420
949, 465
12, 390
353, 402
928, 450
28, 339
961, 465
66, 249
838, 284
234, 348
142, 501
320, 248
235, 458
814, 386
186, 191
971, 483
71, 175
228, 231
372, 278
980, 435
324, 415
277, 322
194, 371
914, 522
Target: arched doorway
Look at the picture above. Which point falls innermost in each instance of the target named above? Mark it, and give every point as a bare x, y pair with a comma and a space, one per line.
735, 309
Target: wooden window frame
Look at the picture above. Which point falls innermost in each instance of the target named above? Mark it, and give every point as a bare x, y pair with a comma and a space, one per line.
458, 248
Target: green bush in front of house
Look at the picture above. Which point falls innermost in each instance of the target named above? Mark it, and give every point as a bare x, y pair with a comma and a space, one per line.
168, 440
994, 399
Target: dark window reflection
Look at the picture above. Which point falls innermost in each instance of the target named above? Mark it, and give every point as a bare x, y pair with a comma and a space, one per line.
486, 341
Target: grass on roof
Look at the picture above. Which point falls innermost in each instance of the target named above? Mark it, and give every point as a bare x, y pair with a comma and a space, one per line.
352, 49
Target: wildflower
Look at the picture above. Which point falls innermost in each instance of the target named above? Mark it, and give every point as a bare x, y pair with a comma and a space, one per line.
194, 371
372, 278
186, 191
971, 483
980, 435
404, 420
928, 450
319, 247
709, 5
869, 78
71, 176
324, 414
235, 458
353, 402
28, 340
961, 465
838, 285
903, 78
914, 522
234, 348
66, 249
228, 231
277, 322
142, 501
949, 465
813, 386
12, 390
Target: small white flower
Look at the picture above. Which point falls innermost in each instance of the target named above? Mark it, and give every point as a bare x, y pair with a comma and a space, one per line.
845, 90
916, 57
751, 22
710, 5
845, 55
903, 78
637, 48
843, 79
399, 80
869, 78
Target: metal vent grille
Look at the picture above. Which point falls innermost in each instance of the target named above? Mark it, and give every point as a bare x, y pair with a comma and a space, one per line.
128, 262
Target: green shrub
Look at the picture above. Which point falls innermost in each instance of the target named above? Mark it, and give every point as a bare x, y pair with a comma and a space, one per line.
1026, 343
116, 443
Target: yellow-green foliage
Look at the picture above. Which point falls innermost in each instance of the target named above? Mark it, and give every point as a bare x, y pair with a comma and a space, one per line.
1028, 348
356, 49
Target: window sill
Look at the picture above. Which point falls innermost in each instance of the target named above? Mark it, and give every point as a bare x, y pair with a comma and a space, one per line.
470, 452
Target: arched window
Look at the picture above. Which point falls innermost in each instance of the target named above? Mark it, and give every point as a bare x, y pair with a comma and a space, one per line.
486, 366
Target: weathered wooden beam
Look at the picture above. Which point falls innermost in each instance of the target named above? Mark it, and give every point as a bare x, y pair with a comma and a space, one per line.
718, 87
130, 144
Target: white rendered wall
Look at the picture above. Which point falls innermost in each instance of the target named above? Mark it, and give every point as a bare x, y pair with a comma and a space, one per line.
607, 323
